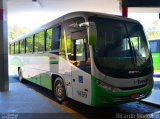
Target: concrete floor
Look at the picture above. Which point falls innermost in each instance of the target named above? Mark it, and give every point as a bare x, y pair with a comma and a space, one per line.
28, 101
23, 102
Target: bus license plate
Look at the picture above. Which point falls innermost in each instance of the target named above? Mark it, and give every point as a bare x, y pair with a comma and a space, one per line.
135, 96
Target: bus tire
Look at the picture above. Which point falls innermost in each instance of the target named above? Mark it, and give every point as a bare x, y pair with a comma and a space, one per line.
20, 75
59, 90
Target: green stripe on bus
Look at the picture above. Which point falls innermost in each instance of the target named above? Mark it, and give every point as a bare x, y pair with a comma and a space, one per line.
53, 62
93, 99
103, 98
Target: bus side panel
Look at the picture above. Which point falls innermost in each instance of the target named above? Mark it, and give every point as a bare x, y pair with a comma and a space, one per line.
81, 82
156, 62
30, 69
37, 69
65, 70
44, 70
14, 63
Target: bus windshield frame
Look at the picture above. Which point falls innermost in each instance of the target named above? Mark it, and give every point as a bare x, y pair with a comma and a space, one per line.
121, 48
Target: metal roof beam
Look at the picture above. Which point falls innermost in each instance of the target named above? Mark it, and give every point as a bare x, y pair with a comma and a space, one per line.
140, 3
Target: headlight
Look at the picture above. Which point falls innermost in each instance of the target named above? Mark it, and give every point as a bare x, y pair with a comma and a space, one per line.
106, 86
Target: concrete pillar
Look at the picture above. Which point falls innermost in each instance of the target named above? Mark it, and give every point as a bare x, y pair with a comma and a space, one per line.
125, 11
4, 82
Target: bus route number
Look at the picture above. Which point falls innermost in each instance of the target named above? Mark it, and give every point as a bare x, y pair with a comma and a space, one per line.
82, 94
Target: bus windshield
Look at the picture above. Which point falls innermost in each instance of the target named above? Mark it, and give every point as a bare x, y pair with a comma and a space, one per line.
121, 49
154, 45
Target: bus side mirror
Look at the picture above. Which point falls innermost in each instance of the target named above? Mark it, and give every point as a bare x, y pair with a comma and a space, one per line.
92, 32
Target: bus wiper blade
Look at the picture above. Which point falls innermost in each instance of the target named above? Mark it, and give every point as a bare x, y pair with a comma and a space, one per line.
132, 51
138, 59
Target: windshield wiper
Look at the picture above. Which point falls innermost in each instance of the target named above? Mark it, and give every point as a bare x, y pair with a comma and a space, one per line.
133, 53
136, 57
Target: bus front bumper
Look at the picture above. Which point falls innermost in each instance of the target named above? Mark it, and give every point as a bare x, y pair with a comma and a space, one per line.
102, 97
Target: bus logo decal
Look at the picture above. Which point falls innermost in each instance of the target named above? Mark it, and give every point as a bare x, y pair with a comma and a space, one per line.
133, 72
80, 79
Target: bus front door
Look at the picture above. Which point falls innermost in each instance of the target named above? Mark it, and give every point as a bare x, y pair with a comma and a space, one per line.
81, 83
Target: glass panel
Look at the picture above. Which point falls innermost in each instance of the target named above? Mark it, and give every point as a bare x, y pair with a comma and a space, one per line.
70, 49
48, 39
36, 43
41, 41
12, 48
121, 47
22, 46
77, 46
56, 38
80, 52
29, 44
16, 47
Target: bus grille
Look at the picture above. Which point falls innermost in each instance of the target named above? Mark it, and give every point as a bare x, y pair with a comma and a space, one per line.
128, 98
131, 88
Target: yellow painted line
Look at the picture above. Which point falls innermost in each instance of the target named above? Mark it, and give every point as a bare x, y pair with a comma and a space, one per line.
75, 114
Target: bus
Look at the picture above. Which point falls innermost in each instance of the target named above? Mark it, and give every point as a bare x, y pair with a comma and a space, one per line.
94, 58
155, 50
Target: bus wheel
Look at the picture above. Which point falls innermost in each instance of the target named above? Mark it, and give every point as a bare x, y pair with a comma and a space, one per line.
20, 75
59, 90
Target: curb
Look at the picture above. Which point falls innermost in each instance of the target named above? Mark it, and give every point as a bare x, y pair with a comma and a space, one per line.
150, 103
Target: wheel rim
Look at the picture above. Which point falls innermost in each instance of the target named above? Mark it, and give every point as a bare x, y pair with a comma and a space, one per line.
59, 90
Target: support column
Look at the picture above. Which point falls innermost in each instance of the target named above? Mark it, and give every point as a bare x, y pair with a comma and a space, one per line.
125, 11
4, 81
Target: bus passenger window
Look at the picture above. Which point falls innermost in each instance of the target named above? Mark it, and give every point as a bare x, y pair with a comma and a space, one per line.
22, 46
29, 44
16, 47
56, 38
41, 41
12, 48
48, 39
36, 37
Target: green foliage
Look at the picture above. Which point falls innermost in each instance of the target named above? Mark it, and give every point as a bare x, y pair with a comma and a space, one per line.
22, 45
41, 41
154, 31
16, 31
29, 47
17, 48
12, 49
48, 39
36, 43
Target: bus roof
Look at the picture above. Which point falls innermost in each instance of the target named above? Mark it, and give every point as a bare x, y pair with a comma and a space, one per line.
84, 14
155, 39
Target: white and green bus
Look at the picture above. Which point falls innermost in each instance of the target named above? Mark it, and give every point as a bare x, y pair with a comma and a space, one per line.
94, 58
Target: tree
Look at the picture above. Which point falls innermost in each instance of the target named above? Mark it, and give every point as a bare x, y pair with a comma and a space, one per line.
154, 31
16, 31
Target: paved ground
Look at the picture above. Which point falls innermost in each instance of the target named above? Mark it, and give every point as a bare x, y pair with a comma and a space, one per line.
154, 98
136, 109
25, 103
29, 101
